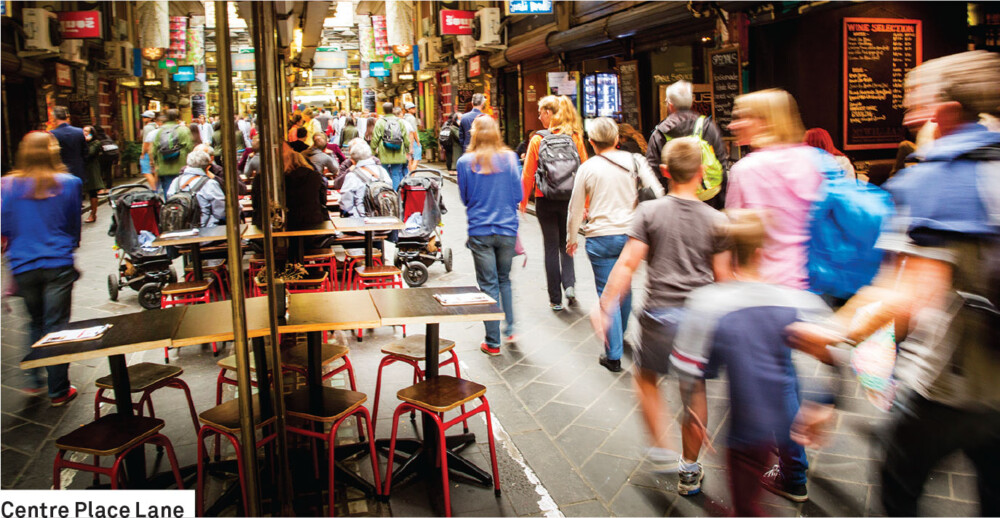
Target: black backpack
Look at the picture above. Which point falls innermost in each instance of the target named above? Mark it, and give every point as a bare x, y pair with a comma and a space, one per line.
558, 161
109, 151
392, 138
182, 210
444, 136
380, 199
168, 143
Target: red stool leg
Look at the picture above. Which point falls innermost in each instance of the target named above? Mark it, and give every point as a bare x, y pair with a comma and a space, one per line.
386, 360
56, 469
443, 451
182, 385
493, 447
392, 448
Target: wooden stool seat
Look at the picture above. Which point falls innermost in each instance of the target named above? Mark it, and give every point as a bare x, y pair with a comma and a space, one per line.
181, 288
229, 363
226, 416
412, 347
110, 435
442, 393
319, 254
367, 272
143, 375
208, 265
298, 357
326, 405
299, 284
359, 253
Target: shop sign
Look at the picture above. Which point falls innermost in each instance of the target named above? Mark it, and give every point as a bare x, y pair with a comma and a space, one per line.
406, 77
80, 24
243, 61
64, 75
474, 66
529, 7
330, 59
377, 69
152, 82
457, 22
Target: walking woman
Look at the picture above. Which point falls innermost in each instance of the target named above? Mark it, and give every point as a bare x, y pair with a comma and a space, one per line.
453, 146
92, 179
369, 129
40, 221
349, 133
558, 115
490, 186
609, 182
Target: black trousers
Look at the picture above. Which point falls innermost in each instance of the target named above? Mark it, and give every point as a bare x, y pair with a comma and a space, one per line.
559, 274
924, 432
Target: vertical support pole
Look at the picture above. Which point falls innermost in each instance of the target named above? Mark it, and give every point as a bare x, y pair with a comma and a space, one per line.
269, 125
248, 443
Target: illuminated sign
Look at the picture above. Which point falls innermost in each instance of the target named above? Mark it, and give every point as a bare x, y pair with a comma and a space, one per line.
185, 74
243, 61
152, 82
529, 7
457, 22
330, 59
406, 77
377, 69
80, 24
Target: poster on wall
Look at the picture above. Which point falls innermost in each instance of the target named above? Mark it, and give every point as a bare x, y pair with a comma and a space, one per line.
878, 52
725, 76
64, 75
198, 105
563, 83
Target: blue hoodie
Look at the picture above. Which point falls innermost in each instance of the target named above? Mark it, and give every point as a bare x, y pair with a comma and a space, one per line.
490, 199
941, 194
42, 233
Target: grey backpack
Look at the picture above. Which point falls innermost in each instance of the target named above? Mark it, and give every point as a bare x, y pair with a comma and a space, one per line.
558, 161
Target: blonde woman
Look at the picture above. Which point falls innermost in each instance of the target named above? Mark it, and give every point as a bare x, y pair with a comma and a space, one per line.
40, 221
490, 187
780, 178
558, 114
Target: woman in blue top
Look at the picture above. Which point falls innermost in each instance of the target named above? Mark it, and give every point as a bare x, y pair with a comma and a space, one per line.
41, 222
489, 182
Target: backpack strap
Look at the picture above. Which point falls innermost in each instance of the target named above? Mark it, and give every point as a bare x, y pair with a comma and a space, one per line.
699, 127
199, 184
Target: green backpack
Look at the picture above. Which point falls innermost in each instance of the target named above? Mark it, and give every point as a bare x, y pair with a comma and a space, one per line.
711, 182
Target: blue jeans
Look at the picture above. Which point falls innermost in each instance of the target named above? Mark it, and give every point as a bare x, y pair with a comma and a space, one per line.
492, 256
603, 252
48, 294
397, 172
791, 455
165, 182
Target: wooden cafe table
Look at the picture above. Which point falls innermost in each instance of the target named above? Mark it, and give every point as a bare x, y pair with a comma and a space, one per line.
418, 306
204, 235
369, 226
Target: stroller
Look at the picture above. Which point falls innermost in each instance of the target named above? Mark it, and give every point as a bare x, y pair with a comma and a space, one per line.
145, 269
420, 247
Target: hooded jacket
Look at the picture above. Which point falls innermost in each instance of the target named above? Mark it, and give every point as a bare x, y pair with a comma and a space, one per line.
681, 124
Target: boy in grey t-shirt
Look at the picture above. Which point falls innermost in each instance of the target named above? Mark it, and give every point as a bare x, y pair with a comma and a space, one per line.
677, 236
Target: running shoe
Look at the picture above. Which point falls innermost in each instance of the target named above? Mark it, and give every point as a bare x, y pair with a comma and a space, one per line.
555, 306
66, 398
774, 481
489, 349
571, 296
690, 480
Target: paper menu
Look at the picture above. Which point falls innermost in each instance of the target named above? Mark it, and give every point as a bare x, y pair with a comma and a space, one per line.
73, 335
463, 299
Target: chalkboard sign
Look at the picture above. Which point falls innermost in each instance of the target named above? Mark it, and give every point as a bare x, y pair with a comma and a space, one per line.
629, 73
878, 52
726, 81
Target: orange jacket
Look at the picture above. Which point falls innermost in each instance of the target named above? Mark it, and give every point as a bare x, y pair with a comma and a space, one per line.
531, 165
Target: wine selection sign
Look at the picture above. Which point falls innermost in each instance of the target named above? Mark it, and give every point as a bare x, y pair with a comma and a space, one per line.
878, 52
726, 82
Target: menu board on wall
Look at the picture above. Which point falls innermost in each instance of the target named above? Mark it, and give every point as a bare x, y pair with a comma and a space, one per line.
726, 82
878, 52
629, 88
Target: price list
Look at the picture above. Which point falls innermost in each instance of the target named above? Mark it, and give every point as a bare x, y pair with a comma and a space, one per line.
878, 52
629, 72
726, 83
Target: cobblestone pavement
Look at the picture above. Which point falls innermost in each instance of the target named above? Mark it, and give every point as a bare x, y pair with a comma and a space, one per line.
570, 439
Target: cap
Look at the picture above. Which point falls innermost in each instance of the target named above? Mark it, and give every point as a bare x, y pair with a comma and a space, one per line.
409, 106
149, 114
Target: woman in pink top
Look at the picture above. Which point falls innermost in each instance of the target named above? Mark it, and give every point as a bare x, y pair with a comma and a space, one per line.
778, 176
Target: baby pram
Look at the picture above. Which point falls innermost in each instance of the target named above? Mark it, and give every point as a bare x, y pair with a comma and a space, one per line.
143, 268
420, 246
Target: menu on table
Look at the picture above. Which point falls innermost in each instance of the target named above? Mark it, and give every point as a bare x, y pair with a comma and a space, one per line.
727, 82
629, 72
878, 52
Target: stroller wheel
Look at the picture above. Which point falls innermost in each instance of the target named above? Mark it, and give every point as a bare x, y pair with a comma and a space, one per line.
447, 257
149, 296
113, 287
415, 274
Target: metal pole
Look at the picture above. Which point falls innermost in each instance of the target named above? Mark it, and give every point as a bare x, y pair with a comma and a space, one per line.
248, 443
266, 57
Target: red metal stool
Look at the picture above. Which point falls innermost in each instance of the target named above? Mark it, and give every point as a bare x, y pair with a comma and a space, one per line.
147, 377
374, 277
256, 265
435, 397
323, 260
217, 269
354, 257
112, 435
180, 293
333, 407
307, 285
224, 421
411, 350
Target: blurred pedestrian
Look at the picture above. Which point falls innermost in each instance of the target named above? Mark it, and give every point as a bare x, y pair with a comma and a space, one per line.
490, 187
92, 179
110, 155
170, 149
391, 144
631, 140
819, 138
41, 222
349, 133
465, 126
368, 129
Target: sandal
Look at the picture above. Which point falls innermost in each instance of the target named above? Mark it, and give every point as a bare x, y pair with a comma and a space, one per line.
91, 219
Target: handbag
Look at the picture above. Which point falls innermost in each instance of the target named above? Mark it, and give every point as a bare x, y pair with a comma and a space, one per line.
643, 193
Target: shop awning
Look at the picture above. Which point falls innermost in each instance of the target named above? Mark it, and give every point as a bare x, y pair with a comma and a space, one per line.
620, 25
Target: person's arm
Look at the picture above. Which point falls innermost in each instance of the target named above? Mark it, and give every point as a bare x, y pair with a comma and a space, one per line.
377, 136
581, 148
653, 151
73, 219
577, 201
648, 178
619, 281
515, 178
530, 167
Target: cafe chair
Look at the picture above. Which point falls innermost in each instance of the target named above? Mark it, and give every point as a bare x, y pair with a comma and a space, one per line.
182, 293
217, 269
434, 397
353, 257
224, 421
146, 377
112, 435
411, 350
323, 260
327, 405
256, 265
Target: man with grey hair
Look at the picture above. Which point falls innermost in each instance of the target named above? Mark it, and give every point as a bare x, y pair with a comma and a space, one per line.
365, 171
465, 127
194, 179
682, 122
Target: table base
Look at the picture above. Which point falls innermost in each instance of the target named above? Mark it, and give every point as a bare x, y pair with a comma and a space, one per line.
416, 460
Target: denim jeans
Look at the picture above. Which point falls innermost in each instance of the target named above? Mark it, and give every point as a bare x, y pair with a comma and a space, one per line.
165, 182
791, 455
603, 252
559, 272
492, 256
47, 293
397, 172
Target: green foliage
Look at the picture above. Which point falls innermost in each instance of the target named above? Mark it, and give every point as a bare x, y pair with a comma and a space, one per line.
131, 152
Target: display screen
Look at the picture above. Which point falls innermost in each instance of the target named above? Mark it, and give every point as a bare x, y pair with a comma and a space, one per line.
601, 96
184, 74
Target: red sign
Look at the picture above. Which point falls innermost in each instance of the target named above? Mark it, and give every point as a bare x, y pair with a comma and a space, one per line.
474, 66
457, 22
80, 24
64, 75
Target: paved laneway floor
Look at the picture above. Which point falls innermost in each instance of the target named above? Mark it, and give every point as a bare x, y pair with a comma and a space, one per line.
569, 434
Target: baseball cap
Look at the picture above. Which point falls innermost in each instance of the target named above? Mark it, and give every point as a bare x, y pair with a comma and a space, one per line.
149, 114
409, 106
